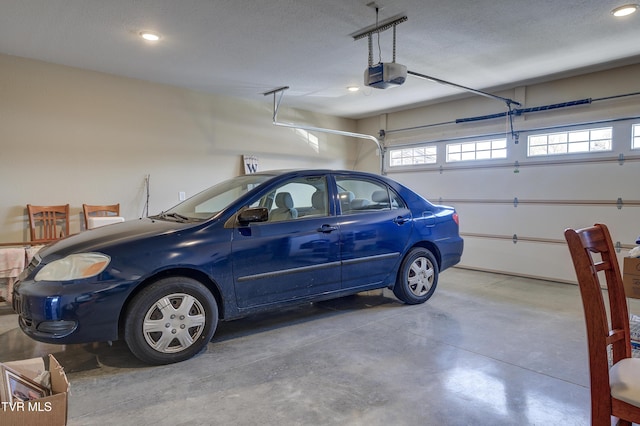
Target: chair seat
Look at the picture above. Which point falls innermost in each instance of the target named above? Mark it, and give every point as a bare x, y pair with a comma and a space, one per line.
95, 216
98, 221
624, 378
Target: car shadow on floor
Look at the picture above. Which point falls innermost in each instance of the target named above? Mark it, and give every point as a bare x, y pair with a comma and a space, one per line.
93, 357
268, 321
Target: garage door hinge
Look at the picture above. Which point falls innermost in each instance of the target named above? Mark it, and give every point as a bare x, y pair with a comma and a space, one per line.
515, 239
517, 167
621, 159
618, 247
515, 202
619, 203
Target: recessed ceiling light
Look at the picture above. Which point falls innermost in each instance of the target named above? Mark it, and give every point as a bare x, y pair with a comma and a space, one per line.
353, 88
149, 36
625, 10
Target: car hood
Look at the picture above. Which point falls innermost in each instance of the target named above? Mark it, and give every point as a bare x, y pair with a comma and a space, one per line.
115, 234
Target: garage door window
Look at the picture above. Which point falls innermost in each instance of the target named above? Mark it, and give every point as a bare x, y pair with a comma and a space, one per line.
571, 142
413, 156
477, 150
636, 137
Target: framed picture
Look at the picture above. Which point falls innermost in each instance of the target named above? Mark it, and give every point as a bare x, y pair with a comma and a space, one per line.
16, 387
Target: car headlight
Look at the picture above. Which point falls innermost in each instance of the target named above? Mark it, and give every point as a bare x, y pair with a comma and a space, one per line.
74, 267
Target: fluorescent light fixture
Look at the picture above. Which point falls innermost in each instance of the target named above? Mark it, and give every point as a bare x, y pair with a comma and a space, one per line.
149, 36
625, 10
353, 88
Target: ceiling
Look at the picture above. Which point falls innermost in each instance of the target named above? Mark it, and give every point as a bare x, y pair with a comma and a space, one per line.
243, 48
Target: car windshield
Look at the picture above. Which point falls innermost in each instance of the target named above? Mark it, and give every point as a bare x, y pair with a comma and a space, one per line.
209, 202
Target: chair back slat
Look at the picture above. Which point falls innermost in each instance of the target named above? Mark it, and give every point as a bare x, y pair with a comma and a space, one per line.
48, 223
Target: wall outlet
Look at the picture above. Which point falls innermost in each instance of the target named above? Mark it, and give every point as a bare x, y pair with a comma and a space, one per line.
182, 196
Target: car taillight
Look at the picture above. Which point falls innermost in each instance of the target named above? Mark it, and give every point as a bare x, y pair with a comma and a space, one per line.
456, 219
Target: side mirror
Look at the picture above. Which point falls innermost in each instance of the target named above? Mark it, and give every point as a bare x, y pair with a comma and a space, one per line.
257, 214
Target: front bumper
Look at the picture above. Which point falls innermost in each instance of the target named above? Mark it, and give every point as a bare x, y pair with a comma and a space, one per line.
71, 312
42, 327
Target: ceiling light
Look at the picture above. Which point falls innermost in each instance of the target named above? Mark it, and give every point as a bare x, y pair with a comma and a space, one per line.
149, 36
353, 88
625, 10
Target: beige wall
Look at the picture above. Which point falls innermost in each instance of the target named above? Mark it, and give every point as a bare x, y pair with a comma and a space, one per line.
74, 136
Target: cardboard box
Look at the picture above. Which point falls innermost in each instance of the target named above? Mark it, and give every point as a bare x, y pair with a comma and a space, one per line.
631, 277
50, 410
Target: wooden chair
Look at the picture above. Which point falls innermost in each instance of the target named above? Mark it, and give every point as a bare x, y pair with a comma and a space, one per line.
48, 223
615, 390
99, 211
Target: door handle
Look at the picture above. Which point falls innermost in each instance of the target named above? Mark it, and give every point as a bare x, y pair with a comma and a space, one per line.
327, 228
401, 220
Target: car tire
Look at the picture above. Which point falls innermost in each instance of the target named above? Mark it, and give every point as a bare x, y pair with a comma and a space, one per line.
417, 277
157, 335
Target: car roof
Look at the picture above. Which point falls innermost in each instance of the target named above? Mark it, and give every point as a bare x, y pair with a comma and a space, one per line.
277, 172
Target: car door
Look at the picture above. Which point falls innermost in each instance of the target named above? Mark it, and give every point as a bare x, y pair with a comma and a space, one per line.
293, 255
375, 227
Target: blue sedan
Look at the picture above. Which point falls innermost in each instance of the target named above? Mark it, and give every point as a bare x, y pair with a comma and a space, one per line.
249, 244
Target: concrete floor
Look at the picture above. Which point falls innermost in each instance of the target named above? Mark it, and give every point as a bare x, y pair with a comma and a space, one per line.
487, 349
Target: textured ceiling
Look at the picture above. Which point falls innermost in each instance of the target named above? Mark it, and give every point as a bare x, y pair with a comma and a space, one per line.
243, 48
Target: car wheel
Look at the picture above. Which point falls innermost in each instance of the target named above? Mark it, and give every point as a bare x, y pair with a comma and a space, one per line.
170, 321
417, 278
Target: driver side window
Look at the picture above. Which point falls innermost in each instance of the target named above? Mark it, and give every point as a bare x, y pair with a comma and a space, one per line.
297, 199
